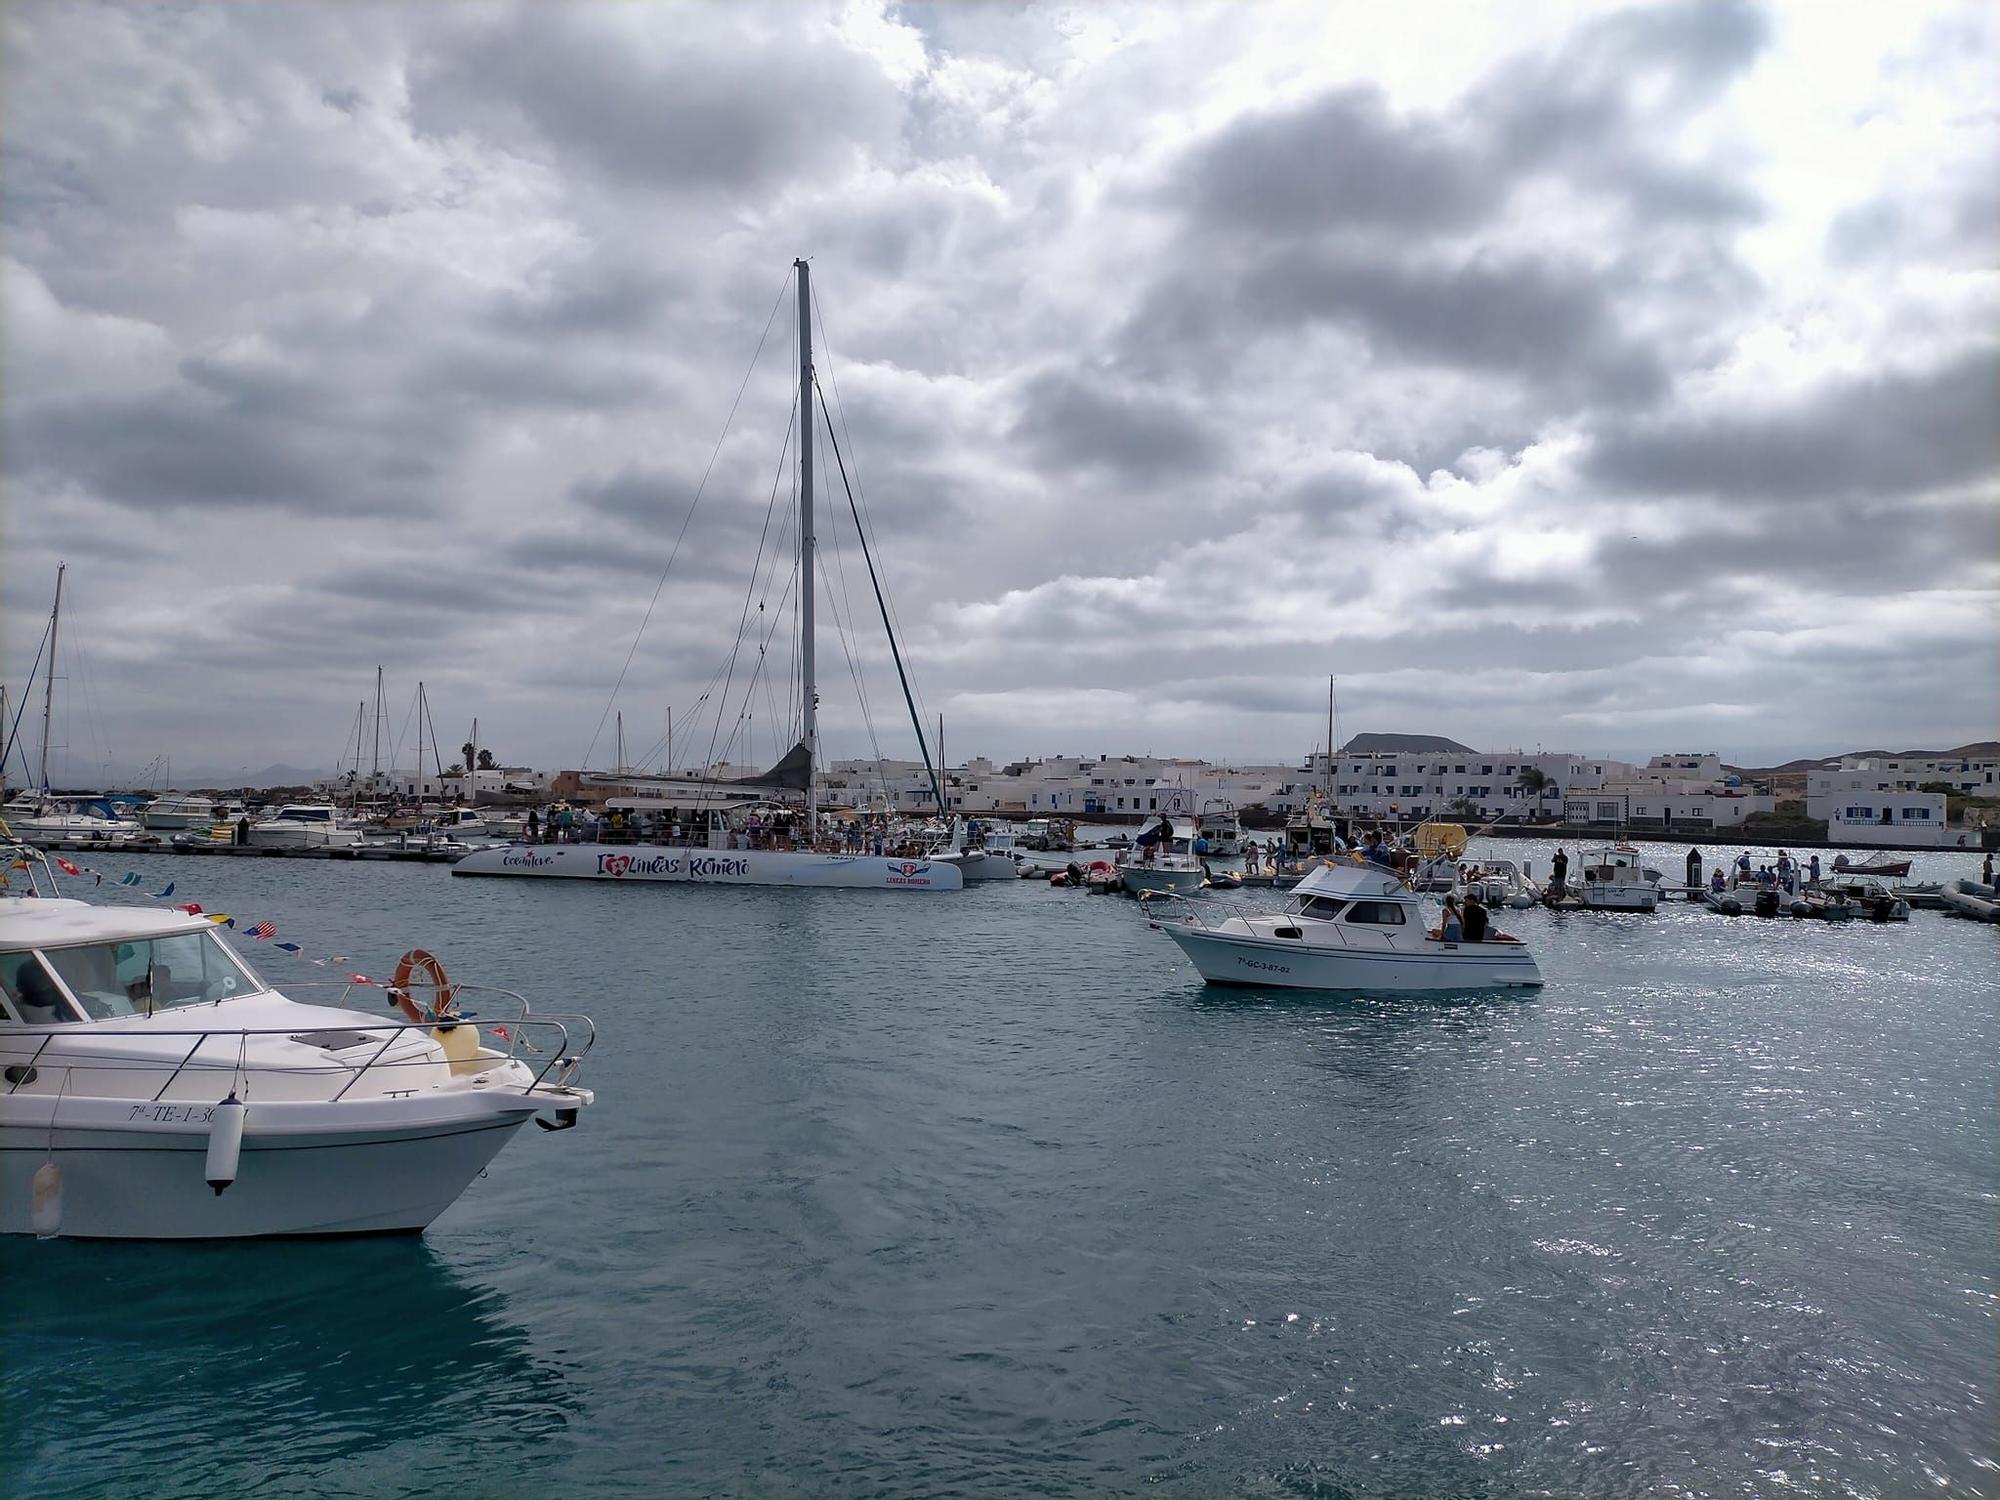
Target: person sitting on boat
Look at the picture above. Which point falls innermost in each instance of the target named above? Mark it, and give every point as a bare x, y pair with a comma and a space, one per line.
1475, 920
1451, 929
1716, 883
1375, 851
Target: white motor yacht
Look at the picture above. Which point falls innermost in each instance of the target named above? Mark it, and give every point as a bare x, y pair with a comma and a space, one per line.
303, 825
156, 1088
1349, 926
39, 819
1161, 860
1219, 829
1613, 878
175, 812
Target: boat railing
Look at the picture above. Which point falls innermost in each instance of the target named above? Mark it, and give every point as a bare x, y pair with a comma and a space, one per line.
563, 1040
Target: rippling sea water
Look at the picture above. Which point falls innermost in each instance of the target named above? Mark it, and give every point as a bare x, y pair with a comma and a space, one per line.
989, 1194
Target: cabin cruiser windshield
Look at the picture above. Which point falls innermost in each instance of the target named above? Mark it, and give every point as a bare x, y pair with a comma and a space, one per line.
133, 977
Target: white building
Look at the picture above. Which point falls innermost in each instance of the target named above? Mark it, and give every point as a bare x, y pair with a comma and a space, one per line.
1874, 801
1408, 786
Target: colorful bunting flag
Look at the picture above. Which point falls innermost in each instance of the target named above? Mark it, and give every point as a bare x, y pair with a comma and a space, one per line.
61, 864
262, 930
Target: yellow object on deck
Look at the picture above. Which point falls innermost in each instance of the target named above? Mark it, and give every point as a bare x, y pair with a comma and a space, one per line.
1434, 839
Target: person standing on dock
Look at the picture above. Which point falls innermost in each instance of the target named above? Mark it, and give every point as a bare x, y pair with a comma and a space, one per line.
1986, 871
1558, 875
243, 829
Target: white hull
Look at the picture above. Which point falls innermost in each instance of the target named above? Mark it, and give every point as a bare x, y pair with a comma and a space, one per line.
979, 864
302, 836
1160, 879
1228, 958
135, 1170
656, 863
1621, 897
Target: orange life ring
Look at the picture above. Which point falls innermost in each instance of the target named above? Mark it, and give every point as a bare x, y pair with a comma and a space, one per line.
443, 995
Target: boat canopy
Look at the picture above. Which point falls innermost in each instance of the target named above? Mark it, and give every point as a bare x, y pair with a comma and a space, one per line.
1354, 881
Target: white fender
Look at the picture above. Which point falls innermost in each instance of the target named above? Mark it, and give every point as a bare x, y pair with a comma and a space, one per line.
225, 1142
45, 1214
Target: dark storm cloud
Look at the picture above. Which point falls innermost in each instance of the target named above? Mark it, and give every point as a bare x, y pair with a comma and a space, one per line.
182, 449
1862, 549
1893, 433
1070, 421
727, 104
1342, 158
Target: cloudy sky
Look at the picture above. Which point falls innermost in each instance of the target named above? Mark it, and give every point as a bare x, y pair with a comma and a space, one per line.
1607, 379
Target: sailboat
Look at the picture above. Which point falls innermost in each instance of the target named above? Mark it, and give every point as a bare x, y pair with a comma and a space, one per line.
718, 863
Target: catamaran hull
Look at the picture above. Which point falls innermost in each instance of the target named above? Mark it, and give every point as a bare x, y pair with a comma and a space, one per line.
141, 1177
1221, 958
653, 863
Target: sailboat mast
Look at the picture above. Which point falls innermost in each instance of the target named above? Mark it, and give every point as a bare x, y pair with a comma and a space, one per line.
809, 692
621, 741
422, 709
1329, 749
375, 776
49, 682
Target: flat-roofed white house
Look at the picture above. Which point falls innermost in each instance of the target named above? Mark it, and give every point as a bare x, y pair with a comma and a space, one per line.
1868, 801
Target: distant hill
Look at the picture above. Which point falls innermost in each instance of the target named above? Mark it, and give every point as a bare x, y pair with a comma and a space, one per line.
1979, 749
279, 774
1404, 744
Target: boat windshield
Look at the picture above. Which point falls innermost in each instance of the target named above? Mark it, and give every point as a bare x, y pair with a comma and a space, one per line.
139, 976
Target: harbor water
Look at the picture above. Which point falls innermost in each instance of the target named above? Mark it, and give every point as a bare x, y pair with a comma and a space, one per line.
987, 1194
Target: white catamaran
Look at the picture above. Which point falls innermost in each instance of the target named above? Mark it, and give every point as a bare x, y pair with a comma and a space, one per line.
719, 863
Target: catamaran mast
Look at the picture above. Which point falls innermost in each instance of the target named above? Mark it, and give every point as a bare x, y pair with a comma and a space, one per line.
49, 682
809, 692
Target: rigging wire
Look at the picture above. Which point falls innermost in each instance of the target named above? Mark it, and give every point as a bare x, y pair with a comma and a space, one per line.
923, 745
653, 603
743, 619
895, 619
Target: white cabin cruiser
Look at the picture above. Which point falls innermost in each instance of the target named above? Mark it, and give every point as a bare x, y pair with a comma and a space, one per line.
1613, 878
1219, 829
1349, 926
37, 819
1162, 860
304, 825
176, 812
156, 1088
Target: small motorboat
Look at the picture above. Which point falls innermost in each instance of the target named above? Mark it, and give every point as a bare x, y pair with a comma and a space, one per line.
157, 1088
1612, 878
1497, 882
1162, 860
1348, 926
1871, 896
1893, 869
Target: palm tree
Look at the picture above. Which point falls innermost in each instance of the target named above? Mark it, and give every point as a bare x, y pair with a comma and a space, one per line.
1534, 780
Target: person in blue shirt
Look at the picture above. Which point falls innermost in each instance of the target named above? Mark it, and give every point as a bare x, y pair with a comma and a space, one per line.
1374, 850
